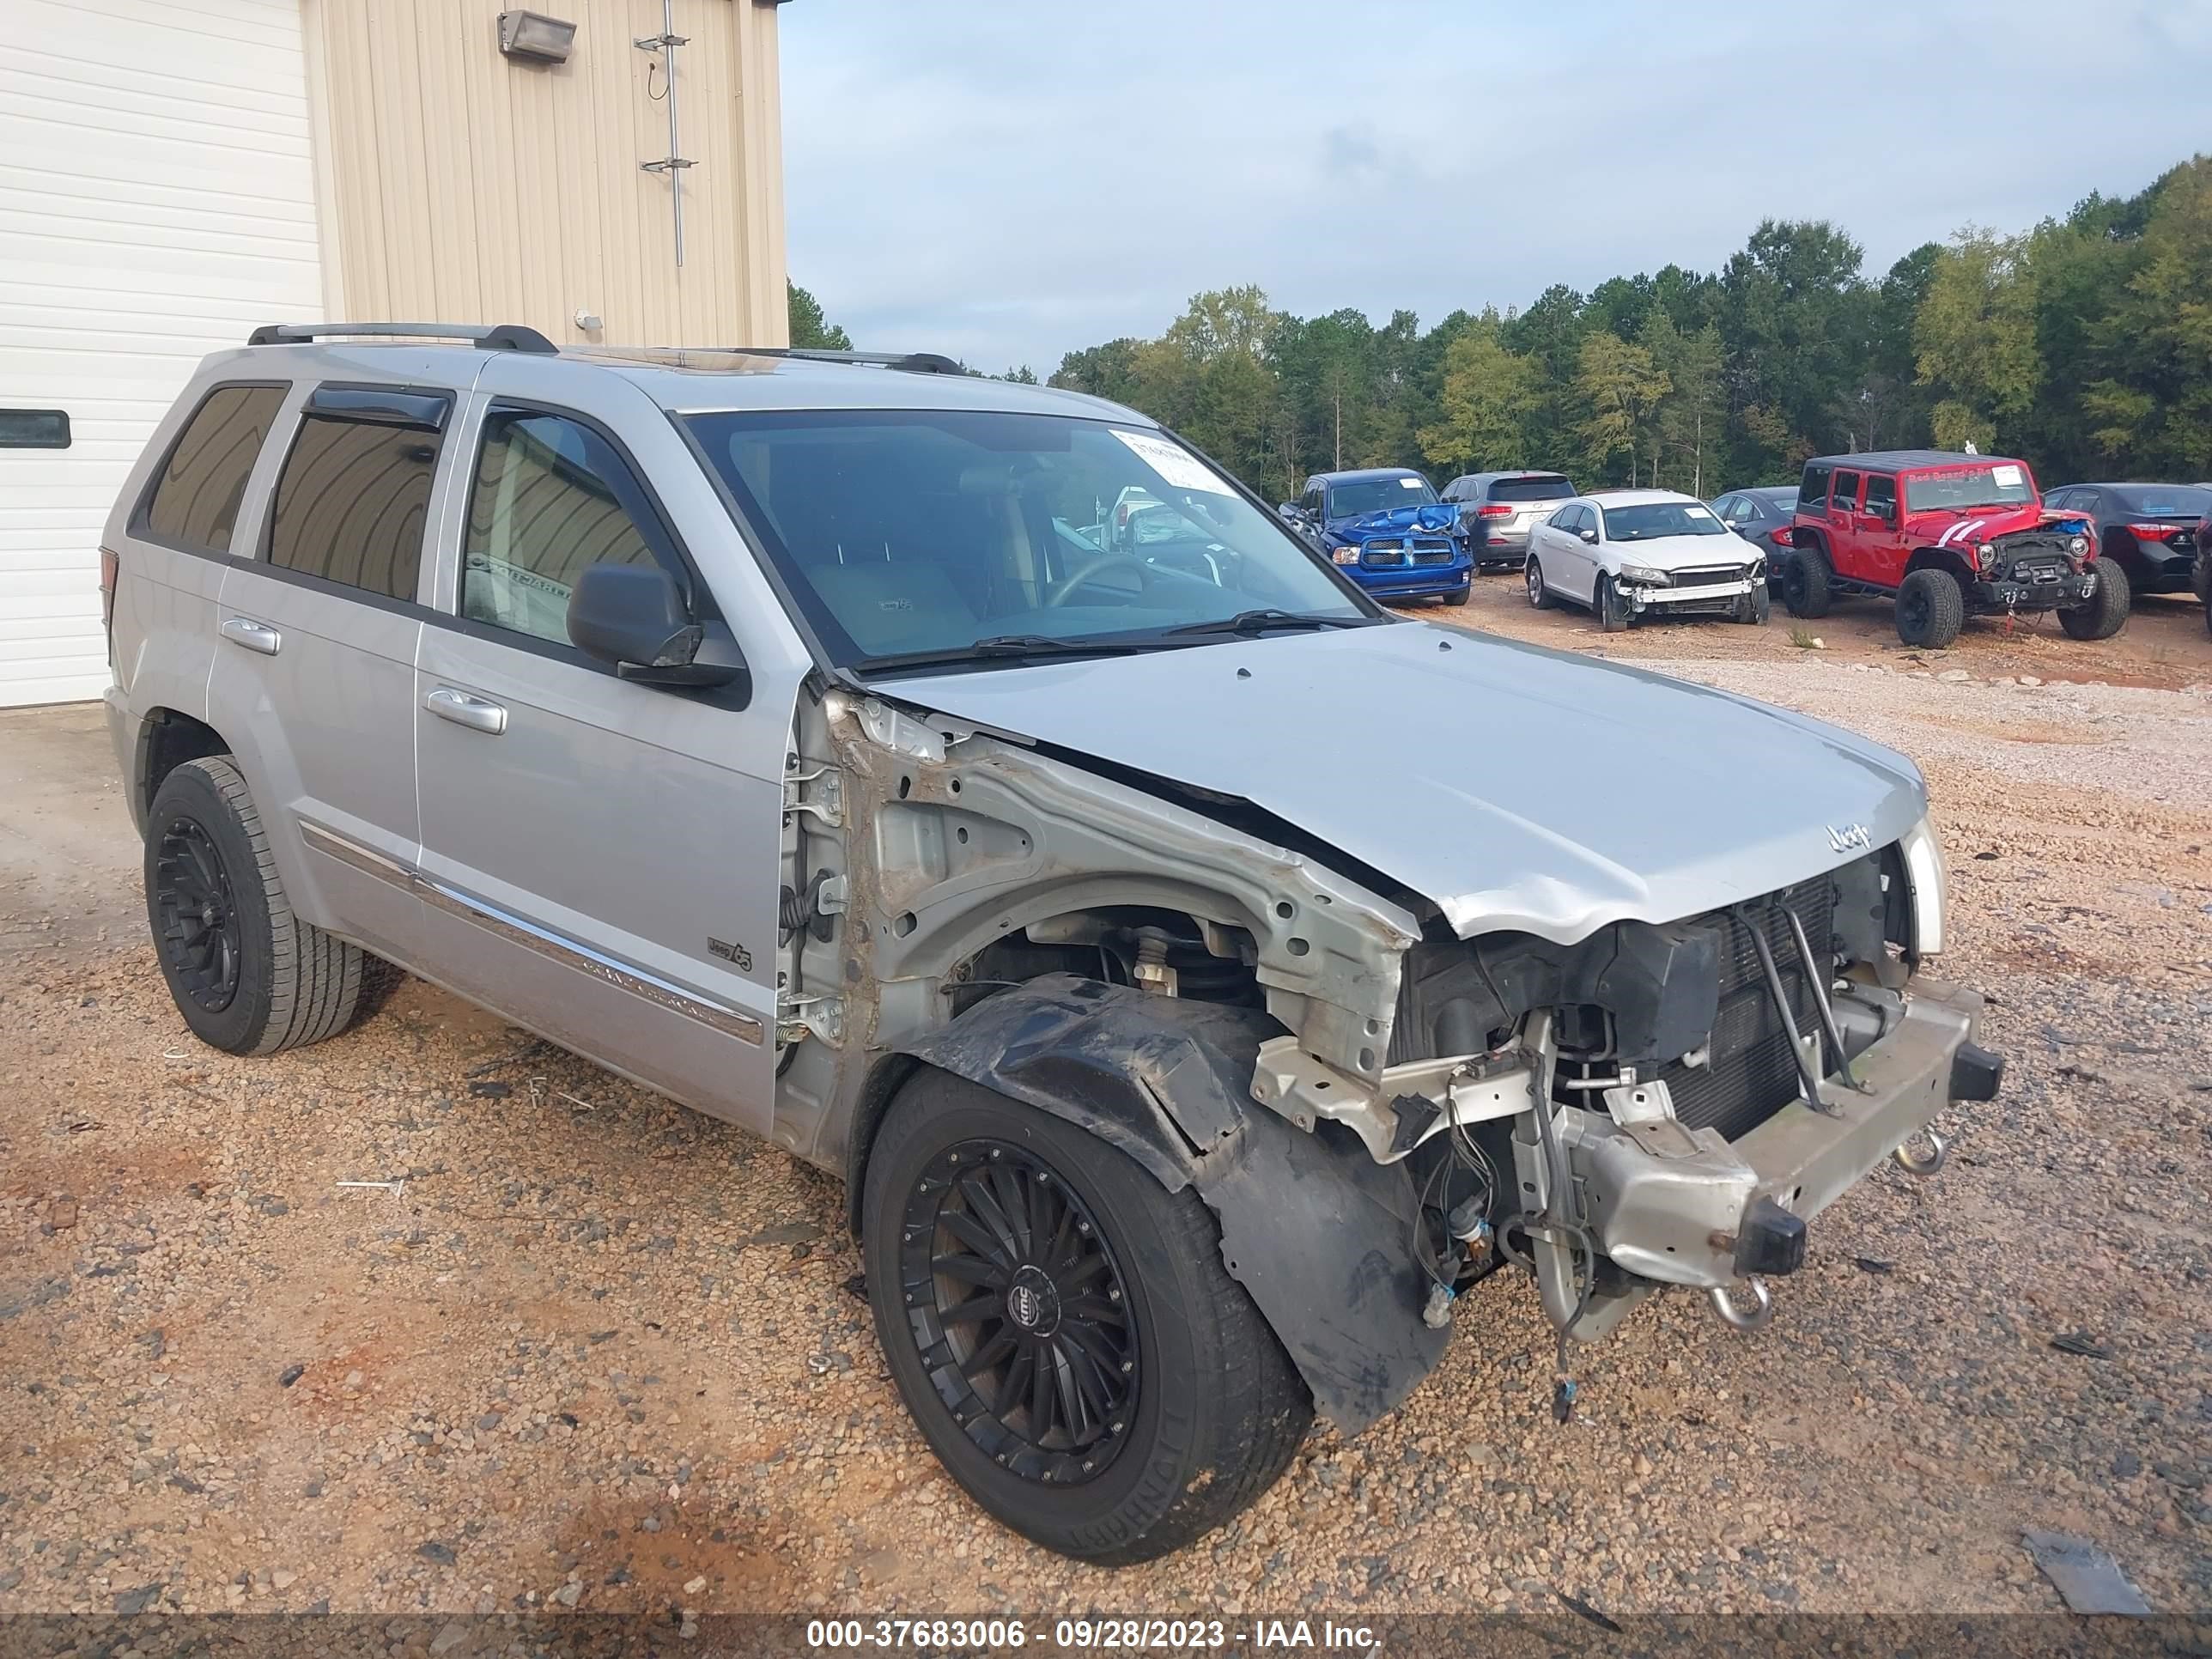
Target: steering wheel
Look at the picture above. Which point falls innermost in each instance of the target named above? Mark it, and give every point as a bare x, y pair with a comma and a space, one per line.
1065, 588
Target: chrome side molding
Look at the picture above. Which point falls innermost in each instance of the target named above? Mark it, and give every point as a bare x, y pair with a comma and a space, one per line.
556, 947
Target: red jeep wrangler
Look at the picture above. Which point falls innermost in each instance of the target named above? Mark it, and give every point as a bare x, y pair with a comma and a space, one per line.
1947, 535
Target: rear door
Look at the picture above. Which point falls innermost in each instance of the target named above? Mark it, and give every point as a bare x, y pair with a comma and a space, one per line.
313, 676
601, 857
1846, 549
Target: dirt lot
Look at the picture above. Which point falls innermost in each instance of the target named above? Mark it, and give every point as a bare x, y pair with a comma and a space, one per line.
600, 1351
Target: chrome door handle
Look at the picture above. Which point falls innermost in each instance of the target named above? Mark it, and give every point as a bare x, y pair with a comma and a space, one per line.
253, 636
451, 703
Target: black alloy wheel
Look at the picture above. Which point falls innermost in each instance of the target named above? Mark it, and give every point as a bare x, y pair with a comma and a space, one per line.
196, 915
1017, 1302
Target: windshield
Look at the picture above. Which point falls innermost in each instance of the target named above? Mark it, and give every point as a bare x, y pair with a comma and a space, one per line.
2164, 500
909, 532
1531, 489
2002, 484
1652, 520
1357, 499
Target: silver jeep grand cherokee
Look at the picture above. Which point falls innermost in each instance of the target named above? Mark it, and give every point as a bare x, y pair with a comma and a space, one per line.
1199, 976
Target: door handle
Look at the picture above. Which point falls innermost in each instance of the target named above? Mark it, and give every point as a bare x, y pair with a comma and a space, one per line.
478, 714
253, 636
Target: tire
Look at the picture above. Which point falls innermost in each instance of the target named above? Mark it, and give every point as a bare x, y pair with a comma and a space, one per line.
2107, 612
1931, 609
1607, 604
1540, 594
1755, 607
1214, 1409
249, 976
1805, 575
1458, 596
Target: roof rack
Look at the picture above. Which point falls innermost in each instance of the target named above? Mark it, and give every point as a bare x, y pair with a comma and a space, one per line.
914, 362
501, 337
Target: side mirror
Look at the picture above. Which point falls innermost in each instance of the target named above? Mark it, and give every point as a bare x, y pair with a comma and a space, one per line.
1587, 535
634, 616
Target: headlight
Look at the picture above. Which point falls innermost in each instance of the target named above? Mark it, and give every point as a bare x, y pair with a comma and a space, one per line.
1348, 554
1645, 573
1756, 570
1923, 874
2078, 546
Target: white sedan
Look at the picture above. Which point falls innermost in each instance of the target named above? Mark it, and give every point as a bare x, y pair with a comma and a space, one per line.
1631, 553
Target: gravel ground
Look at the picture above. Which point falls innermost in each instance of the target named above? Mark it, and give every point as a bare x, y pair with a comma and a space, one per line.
600, 1351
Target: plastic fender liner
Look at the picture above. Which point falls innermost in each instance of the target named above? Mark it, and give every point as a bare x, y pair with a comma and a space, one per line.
1317, 1231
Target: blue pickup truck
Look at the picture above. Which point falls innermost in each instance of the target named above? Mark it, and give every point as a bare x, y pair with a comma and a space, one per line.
1387, 529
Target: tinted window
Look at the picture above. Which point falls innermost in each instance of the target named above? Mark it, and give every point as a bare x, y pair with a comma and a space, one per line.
1365, 496
1815, 490
2000, 484
1649, 520
1530, 489
551, 497
929, 531
352, 503
1881, 495
197, 493
1734, 508
1844, 492
2160, 501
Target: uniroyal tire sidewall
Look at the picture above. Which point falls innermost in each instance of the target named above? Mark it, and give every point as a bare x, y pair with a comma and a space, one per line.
1112, 1512
189, 792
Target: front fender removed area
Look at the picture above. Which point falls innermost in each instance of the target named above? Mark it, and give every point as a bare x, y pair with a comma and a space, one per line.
1314, 1229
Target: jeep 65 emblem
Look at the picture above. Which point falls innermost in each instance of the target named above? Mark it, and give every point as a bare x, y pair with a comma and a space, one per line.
1850, 837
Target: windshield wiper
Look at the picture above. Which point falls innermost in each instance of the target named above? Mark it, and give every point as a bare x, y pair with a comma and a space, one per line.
1252, 622
1014, 647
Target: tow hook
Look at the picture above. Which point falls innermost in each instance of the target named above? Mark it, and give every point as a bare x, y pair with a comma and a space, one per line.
1939, 1152
1756, 1318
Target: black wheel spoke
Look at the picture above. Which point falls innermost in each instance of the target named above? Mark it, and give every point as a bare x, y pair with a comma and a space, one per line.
987, 1306
1013, 1276
196, 923
970, 1270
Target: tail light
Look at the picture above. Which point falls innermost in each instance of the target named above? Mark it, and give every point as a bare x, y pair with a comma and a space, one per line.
2157, 533
109, 566
1782, 537
1494, 510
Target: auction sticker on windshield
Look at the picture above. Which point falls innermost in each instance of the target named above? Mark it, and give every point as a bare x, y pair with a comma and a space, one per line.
1177, 467
2007, 477
1696, 513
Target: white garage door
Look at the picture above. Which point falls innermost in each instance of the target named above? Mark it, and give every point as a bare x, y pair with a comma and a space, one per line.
156, 201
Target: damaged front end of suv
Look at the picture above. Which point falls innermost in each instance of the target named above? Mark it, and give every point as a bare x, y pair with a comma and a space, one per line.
1391, 1062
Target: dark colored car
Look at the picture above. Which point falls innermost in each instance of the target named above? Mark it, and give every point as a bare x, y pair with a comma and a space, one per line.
1757, 514
1385, 528
2147, 530
1497, 510
1947, 536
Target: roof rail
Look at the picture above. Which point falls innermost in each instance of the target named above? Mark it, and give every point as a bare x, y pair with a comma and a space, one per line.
914, 362
501, 336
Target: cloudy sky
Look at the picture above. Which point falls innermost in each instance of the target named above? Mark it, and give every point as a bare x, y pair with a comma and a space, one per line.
1009, 180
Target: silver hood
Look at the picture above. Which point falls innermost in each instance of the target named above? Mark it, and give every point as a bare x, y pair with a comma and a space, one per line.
1511, 786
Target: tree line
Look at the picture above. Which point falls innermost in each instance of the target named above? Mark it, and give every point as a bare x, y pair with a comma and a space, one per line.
2083, 345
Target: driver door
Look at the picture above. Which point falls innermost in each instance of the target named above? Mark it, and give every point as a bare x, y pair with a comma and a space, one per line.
599, 857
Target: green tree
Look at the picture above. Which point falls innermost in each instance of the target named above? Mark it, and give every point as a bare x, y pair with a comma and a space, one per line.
1617, 383
1974, 337
1488, 396
809, 330
1692, 415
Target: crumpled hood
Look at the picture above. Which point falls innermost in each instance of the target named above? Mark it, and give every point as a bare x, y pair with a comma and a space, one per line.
1938, 526
1434, 516
1688, 552
1512, 786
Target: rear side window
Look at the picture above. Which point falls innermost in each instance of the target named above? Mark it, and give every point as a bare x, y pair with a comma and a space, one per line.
552, 497
197, 496
1531, 489
353, 503
1815, 490
1844, 492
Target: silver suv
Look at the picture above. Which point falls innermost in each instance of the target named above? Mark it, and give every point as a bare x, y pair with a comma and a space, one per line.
1199, 976
1497, 510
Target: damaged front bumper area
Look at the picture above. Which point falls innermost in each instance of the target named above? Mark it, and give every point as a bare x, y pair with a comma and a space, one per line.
1688, 1207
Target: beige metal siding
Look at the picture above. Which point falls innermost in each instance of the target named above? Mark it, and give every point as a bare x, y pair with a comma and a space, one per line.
459, 185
